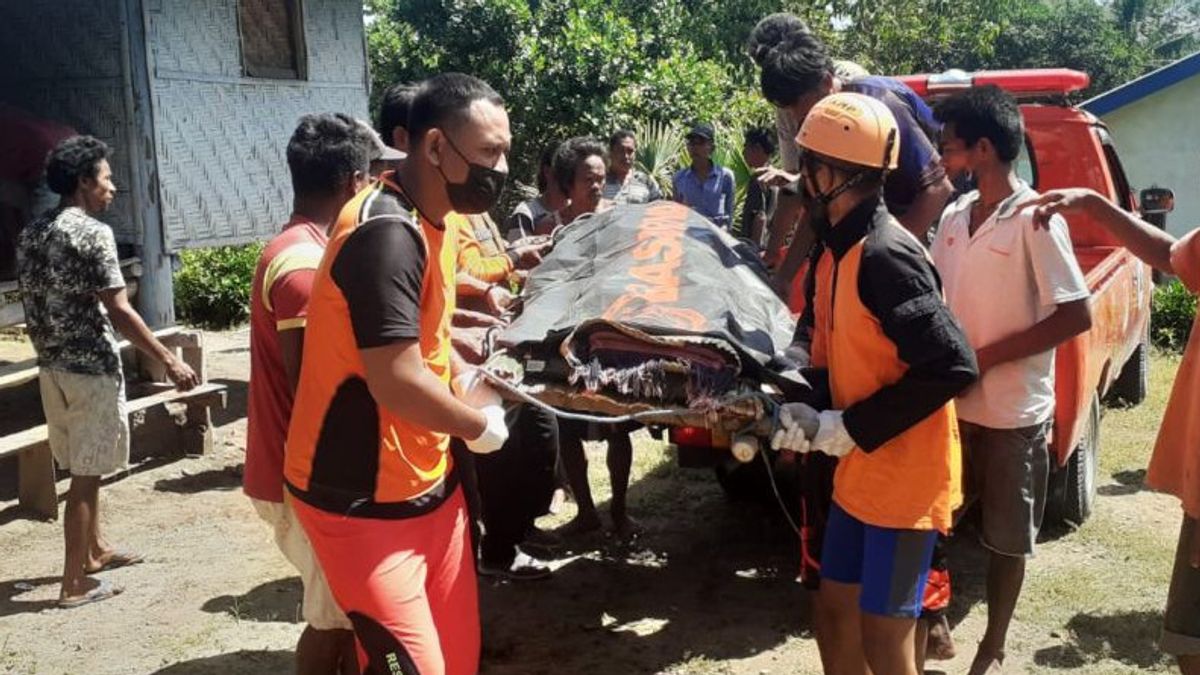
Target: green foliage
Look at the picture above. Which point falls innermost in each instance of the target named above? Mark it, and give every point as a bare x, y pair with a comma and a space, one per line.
585, 67
895, 37
660, 145
569, 67
1172, 314
1079, 34
212, 288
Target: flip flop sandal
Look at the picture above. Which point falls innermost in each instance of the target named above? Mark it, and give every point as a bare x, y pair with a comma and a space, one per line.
104, 591
118, 560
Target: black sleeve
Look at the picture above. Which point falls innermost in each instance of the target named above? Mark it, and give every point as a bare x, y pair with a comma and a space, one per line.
380, 271
898, 284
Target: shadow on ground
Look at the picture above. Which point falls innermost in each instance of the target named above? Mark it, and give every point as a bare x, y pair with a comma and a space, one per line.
245, 662
1130, 638
1127, 483
222, 478
277, 600
709, 579
13, 591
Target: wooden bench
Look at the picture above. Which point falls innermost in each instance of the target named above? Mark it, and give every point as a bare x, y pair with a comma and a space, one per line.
189, 428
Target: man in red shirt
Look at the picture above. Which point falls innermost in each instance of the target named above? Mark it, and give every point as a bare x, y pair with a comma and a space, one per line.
328, 156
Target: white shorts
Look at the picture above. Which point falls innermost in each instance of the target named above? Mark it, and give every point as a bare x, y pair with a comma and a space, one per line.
87, 421
320, 610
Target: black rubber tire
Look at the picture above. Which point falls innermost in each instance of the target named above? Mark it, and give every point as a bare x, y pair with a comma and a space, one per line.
1132, 385
1073, 487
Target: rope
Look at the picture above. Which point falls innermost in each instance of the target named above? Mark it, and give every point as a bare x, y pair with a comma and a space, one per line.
779, 497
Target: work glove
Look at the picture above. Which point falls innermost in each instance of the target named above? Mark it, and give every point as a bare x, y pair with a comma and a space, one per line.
494, 435
832, 437
794, 418
471, 389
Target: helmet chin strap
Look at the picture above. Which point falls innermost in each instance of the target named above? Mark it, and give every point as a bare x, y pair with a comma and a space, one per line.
827, 197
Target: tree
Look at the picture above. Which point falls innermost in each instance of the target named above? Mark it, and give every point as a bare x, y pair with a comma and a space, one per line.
565, 67
1077, 34
575, 67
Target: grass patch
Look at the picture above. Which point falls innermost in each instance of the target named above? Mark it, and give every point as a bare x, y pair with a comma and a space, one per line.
1128, 434
1100, 590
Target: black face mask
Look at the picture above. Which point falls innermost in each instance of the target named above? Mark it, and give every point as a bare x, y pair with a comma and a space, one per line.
480, 191
816, 208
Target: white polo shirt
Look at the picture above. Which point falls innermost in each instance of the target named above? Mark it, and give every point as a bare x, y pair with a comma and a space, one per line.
1007, 278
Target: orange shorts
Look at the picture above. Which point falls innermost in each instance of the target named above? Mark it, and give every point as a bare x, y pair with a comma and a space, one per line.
407, 585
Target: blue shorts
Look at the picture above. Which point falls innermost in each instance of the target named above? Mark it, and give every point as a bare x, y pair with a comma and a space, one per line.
891, 565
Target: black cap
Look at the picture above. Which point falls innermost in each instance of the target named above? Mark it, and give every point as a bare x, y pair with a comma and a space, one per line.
380, 151
703, 130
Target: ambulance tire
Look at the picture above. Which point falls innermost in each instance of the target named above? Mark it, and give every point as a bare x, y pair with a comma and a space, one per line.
1073, 487
1132, 384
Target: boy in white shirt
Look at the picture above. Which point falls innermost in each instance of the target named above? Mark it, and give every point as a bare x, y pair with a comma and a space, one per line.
1018, 292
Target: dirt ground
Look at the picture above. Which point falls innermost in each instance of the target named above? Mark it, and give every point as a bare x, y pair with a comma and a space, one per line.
707, 589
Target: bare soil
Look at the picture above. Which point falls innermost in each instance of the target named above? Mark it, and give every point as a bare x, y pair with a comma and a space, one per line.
708, 588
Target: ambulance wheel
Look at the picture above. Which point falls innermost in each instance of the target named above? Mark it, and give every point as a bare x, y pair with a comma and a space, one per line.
1132, 384
1073, 487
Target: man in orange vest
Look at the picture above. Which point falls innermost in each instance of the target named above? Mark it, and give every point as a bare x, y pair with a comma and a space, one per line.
367, 462
895, 359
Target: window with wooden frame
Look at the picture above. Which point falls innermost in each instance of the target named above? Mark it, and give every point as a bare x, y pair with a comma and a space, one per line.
272, 36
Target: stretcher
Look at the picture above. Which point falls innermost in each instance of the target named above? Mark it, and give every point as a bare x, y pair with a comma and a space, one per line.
652, 314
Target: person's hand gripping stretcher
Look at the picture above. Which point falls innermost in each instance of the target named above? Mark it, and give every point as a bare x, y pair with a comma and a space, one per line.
802, 429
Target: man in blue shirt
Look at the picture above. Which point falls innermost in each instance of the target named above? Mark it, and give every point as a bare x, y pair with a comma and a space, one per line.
706, 186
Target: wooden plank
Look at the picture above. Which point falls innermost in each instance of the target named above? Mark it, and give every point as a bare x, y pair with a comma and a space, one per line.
17, 374
205, 394
35, 481
11, 314
23, 440
208, 394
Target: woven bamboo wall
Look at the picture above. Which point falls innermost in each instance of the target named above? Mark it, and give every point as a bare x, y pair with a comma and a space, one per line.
63, 62
221, 137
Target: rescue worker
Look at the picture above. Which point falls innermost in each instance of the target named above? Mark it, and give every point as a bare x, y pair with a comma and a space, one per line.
367, 459
895, 359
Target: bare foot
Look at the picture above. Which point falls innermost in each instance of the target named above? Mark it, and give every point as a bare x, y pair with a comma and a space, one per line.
581, 524
987, 664
940, 645
111, 560
89, 591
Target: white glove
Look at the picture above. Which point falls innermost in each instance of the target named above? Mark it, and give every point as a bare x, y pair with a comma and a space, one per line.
832, 437
494, 434
793, 418
473, 390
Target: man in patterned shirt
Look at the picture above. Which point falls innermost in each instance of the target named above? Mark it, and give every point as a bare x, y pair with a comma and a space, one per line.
70, 279
624, 184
